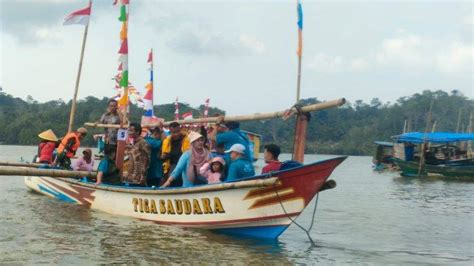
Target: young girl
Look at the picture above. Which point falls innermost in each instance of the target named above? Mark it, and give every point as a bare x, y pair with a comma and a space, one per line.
214, 170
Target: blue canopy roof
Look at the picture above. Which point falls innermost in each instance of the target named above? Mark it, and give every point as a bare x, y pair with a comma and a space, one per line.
435, 137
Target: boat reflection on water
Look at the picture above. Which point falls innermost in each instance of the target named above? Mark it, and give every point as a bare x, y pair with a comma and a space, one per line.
131, 241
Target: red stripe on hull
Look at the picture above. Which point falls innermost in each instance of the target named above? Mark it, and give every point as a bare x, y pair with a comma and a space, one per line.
305, 181
228, 222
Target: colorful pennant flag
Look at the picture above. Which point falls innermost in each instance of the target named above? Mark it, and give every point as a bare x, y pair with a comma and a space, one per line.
148, 98
299, 10
123, 56
80, 16
123, 13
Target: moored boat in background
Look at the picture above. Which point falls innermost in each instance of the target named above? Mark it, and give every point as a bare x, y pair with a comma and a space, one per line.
446, 154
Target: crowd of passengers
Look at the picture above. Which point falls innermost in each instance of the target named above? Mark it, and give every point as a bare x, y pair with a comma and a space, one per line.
180, 157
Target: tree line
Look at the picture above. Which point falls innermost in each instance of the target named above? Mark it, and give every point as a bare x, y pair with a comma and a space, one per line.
349, 129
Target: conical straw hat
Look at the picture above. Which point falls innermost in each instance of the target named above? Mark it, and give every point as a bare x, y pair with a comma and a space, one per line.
48, 135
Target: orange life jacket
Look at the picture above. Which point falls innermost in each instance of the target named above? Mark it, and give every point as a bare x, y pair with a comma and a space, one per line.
72, 151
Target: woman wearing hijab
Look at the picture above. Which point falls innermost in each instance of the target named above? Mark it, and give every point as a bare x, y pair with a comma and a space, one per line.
190, 162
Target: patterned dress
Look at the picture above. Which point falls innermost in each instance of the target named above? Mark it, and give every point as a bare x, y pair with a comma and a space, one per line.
138, 162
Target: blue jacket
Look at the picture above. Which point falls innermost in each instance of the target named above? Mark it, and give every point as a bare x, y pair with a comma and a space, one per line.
155, 169
232, 137
240, 168
182, 169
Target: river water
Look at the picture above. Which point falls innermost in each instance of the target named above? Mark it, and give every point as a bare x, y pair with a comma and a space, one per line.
368, 218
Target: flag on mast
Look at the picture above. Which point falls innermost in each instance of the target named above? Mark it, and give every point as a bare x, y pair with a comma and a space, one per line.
299, 10
148, 98
187, 115
80, 17
123, 55
176, 109
206, 108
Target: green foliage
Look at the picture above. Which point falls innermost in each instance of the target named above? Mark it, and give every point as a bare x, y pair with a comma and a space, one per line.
350, 129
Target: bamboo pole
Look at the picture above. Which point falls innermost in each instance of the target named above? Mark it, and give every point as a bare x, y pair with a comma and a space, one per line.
242, 118
423, 145
459, 120
405, 127
22, 164
298, 81
26, 171
433, 128
469, 130
78, 78
170, 191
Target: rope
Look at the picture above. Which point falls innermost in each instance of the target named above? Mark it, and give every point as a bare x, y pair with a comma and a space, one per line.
294, 221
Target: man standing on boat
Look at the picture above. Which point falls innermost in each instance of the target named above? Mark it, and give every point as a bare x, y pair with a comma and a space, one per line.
111, 117
138, 155
231, 136
68, 147
155, 171
173, 147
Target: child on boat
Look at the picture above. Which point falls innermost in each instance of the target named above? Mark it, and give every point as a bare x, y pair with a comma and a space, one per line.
214, 170
85, 163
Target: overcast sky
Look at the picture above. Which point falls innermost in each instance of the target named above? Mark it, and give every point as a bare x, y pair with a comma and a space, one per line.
241, 54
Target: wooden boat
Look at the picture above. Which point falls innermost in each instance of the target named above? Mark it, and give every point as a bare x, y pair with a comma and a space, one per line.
383, 156
259, 206
448, 170
444, 157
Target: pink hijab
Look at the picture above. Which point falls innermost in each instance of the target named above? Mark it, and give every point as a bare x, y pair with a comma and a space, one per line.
196, 160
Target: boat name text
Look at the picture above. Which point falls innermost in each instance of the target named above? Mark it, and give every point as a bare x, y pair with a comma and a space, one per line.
178, 206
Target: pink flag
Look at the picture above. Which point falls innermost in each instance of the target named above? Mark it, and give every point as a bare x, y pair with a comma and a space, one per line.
79, 17
150, 57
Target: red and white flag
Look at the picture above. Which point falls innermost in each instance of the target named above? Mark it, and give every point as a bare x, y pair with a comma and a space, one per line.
80, 17
176, 109
206, 108
121, 2
187, 115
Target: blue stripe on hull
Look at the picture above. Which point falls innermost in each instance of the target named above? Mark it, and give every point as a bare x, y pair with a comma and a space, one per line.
269, 232
56, 194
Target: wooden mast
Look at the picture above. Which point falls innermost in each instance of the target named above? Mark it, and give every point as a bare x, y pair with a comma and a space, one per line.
301, 118
122, 136
78, 77
423, 145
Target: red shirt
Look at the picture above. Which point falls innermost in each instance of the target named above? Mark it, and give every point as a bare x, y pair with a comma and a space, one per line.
46, 150
271, 166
